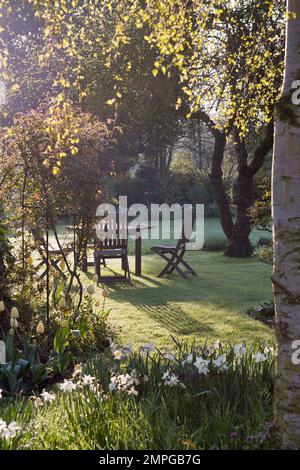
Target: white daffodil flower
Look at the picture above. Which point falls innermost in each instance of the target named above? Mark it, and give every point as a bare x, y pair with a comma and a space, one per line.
48, 397
259, 357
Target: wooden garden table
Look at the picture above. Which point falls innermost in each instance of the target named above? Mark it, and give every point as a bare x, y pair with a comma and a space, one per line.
138, 247
138, 244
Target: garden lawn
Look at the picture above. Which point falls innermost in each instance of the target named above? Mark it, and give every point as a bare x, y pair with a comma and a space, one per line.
212, 305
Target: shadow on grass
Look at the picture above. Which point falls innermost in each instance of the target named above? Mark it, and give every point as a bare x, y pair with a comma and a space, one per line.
213, 304
157, 307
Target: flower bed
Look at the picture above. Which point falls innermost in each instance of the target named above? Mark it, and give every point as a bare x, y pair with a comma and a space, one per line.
194, 396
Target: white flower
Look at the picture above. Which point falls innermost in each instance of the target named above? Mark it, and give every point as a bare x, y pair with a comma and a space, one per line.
8, 431
147, 348
48, 397
125, 383
202, 365
269, 350
239, 350
132, 391
259, 357
171, 379
87, 380
113, 386
67, 386
37, 401
124, 379
1, 391
118, 355
220, 363
2, 425
190, 358
13, 429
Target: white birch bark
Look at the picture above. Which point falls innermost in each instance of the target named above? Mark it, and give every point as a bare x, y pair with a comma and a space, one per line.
286, 238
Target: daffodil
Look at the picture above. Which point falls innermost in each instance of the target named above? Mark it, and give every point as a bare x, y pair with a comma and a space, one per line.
87, 380
239, 350
118, 355
171, 380
259, 357
8, 431
202, 365
67, 386
48, 397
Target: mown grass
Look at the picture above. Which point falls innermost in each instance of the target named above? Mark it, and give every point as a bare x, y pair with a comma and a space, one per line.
212, 305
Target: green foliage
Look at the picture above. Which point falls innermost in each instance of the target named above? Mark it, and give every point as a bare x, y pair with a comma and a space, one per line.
22, 371
224, 409
182, 188
215, 244
62, 357
265, 252
264, 311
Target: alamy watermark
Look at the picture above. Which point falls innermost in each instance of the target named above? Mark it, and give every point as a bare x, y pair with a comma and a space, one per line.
296, 93
296, 352
153, 222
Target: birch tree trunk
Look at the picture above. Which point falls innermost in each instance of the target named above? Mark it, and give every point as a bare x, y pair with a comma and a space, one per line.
286, 237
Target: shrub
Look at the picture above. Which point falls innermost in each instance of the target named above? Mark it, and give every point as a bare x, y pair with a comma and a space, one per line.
264, 250
264, 311
215, 244
147, 187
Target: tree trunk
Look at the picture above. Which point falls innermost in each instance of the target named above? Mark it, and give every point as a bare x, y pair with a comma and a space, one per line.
286, 235
239, 243
216, 177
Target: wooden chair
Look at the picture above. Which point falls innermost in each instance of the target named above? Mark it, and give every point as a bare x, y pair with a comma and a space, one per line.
87, 260
112, 248
174, 254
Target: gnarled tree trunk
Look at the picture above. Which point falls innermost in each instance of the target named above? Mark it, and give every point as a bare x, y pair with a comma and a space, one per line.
286, 216
239, 241
216, 177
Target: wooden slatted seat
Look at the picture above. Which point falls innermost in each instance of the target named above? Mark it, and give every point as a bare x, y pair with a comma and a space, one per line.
174, 254
112, 248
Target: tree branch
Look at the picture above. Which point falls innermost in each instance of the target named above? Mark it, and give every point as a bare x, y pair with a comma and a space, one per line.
262, 150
